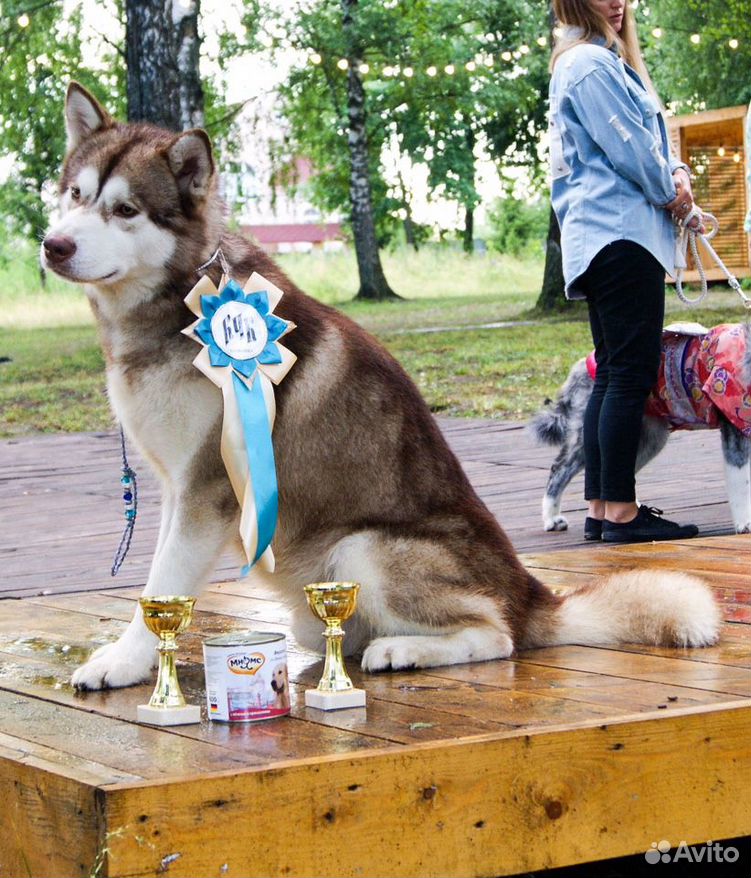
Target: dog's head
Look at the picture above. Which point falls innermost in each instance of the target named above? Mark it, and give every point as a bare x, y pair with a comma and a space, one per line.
136, 201
279, 679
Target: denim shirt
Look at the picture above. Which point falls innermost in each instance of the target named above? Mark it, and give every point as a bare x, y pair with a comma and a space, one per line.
610, 161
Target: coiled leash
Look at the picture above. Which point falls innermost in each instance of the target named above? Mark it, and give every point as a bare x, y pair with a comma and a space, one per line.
129, 486
687, 238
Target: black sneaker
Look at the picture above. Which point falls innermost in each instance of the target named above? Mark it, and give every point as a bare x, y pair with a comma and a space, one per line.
592, 529
647, 526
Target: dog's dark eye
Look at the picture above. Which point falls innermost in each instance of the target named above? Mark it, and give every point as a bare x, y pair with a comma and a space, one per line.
75, 193
125, 210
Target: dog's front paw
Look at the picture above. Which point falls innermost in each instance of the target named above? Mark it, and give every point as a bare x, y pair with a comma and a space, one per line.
408, 651
743, 528
558, 523
113, 666
389, 652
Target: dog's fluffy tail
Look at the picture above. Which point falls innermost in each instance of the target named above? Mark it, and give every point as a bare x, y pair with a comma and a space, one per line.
637, 606
548, 426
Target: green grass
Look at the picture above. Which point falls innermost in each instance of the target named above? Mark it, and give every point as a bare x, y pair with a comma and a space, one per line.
55, 380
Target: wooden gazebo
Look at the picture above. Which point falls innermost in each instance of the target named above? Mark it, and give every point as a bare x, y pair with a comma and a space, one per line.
713, 144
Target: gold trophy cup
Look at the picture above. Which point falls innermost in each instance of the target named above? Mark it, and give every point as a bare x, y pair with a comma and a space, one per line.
333, 603
167, 616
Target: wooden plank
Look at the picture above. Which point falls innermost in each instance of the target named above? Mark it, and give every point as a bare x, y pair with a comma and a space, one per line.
638, 666
49, 822
123, 746
494, 806
43, 551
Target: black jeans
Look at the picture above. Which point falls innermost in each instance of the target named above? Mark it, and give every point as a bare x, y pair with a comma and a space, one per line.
625, 290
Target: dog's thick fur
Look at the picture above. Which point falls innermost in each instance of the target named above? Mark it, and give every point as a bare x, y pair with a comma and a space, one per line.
561, 423
368, 488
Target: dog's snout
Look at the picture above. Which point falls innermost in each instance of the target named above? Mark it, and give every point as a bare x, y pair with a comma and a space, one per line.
58, 248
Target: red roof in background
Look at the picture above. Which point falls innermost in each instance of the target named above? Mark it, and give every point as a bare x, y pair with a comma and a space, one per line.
295, 233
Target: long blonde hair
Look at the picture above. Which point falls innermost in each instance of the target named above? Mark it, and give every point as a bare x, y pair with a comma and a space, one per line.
589, 22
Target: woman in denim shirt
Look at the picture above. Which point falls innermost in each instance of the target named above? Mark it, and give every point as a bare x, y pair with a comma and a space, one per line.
615, 191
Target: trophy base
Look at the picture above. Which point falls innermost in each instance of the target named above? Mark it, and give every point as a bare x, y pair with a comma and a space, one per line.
334, 700
169, 716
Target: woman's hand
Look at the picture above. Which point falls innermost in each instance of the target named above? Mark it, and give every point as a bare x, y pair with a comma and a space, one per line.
683, 203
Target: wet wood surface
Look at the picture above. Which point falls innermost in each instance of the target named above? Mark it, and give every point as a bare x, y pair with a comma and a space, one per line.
679, 711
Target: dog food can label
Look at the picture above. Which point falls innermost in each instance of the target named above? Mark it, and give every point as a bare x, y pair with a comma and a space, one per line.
246, 676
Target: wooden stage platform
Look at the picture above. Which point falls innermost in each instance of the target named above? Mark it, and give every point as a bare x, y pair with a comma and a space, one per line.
558, 756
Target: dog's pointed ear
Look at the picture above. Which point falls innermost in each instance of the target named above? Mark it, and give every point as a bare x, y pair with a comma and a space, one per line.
83, 115
190, 160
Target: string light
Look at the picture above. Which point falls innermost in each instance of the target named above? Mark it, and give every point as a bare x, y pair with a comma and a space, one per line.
721, 151
24, 20
736, 157
481, 59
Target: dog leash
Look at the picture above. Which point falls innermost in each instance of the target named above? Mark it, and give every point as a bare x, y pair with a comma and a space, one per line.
687, 238
129, 487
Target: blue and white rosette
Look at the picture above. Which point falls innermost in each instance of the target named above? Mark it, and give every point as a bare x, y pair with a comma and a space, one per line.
241, 354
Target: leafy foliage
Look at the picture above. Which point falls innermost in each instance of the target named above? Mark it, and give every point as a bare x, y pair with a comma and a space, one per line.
518, 226
443, 80
704, 75
42, 51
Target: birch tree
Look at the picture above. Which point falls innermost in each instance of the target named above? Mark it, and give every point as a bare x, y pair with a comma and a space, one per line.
162, 51
373, 283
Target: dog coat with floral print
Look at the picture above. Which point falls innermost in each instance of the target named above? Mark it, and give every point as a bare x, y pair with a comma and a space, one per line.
699, 379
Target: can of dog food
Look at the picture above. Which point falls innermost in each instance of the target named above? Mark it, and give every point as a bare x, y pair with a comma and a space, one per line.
246, 676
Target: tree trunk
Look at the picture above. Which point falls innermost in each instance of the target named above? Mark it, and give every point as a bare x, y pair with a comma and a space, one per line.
551, 296
373, 283
188, 53
162, 46
468, 235
409, 226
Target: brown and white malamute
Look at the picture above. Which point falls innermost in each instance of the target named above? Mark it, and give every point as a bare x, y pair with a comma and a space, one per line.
368, 488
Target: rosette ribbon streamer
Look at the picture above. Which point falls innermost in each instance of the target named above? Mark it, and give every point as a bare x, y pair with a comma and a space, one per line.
241, 354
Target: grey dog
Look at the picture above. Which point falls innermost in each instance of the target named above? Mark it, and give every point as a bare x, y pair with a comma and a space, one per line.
561, 423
